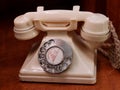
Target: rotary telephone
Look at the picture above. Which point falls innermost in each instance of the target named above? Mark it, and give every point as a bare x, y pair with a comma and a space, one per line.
63, 56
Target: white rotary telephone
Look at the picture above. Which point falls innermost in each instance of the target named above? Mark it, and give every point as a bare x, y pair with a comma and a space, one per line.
63, 56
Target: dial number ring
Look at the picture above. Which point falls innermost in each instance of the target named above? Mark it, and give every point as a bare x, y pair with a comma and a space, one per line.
55, 56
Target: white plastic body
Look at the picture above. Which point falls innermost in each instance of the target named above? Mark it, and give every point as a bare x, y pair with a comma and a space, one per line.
60, 24
82, 70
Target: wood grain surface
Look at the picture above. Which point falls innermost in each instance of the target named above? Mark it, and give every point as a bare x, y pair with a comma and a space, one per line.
13, 53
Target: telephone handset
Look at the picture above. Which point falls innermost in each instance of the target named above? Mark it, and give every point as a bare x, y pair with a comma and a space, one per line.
63, 56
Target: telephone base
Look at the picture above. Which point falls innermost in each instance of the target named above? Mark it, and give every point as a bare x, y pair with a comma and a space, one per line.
81, 71
36, 77
27, 76
77, 80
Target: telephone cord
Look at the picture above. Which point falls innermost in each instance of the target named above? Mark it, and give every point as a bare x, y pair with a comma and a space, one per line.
113, 53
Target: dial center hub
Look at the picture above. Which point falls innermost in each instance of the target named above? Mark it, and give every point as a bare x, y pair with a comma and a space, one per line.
54, 55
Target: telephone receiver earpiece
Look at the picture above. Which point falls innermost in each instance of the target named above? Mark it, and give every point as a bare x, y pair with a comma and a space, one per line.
24, 28
95, 30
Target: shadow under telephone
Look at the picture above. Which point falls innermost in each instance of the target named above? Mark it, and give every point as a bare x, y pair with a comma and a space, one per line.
63, 56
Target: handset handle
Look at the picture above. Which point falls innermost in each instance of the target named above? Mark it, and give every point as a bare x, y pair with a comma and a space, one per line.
53, 26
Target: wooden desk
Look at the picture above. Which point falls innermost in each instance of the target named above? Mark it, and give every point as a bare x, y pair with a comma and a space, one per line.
12, 55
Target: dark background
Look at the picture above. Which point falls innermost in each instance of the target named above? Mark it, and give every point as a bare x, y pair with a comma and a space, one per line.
16, 7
